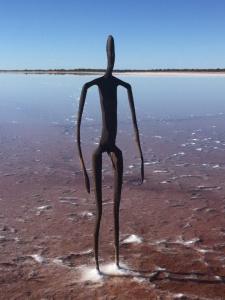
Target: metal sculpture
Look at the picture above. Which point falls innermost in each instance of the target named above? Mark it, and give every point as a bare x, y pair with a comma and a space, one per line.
107, 86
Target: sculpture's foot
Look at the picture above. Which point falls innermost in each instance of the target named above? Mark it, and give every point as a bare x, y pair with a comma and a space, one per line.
98, 270
118, 265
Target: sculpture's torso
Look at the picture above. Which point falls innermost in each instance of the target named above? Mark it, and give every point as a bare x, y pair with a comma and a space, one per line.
108, 97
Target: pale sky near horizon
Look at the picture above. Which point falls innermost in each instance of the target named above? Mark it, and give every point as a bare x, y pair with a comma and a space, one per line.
148, 33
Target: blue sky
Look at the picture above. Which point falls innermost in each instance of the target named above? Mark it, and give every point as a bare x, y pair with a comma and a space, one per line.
148, 33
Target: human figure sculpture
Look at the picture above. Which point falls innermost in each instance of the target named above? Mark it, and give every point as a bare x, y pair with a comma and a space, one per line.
107, 86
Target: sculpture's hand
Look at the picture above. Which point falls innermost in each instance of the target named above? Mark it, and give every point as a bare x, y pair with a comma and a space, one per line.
142, 169
87, 182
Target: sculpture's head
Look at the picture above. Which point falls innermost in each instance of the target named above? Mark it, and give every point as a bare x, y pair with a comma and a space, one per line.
110, 49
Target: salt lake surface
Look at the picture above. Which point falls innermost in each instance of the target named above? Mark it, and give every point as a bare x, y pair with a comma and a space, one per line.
172, 227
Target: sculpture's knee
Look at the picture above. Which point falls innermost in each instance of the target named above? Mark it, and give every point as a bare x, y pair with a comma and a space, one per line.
97, 159
120, 156
119, 159
99, 211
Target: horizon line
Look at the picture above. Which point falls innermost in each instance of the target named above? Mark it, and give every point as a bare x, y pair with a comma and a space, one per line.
116, 70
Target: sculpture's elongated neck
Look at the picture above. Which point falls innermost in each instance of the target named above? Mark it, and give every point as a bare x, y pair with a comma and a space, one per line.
108, 72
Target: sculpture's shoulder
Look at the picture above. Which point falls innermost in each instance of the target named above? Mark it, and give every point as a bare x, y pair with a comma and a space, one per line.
95, 81
121, 82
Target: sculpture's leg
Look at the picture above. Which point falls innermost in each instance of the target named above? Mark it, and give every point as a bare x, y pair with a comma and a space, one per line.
117, 158
97, 173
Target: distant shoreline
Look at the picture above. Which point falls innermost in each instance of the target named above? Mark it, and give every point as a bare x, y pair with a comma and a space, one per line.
155, 72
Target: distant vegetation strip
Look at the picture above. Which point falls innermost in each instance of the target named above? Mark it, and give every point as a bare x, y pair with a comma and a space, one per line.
83, 70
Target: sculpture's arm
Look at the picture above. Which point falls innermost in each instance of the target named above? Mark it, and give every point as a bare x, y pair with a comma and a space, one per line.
134, 120
80, 112
137, 137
